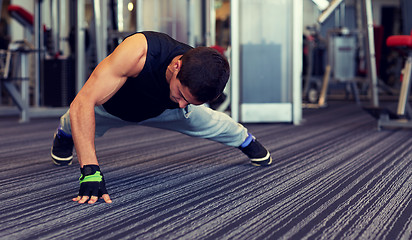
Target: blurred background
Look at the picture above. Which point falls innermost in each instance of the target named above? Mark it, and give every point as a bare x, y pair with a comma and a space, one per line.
285, 55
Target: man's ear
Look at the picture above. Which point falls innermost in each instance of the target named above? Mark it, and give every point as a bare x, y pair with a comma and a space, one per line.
178, 65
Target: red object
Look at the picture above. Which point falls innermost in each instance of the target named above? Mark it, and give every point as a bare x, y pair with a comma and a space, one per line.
219, 49
399, 41
21, 15
24, 17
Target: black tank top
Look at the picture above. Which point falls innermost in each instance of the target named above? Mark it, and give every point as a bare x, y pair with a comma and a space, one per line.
148, 95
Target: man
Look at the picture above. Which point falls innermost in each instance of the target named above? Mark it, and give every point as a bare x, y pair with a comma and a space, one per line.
153, 80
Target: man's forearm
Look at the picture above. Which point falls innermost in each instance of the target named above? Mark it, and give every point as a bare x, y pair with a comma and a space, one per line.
82, 122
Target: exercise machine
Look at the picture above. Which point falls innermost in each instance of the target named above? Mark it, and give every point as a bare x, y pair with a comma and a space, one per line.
15, 65
342, 44
402, 118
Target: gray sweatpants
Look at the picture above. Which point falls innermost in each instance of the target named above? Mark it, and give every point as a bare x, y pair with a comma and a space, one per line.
197, 121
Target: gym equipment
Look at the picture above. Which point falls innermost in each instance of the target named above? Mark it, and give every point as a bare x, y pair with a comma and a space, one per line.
15, 73
15, 60
314, 49
341, 60
342, 44
403, 116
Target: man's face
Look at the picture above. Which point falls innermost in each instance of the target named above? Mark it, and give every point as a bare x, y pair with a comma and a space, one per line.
181, 94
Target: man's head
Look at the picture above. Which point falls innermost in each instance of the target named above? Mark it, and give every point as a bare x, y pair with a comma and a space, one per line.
205, 72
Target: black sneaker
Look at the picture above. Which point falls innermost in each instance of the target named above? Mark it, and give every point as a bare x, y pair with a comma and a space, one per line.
257, 153
62, 149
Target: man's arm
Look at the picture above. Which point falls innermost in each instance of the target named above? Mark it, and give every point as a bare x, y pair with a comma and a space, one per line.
127, 60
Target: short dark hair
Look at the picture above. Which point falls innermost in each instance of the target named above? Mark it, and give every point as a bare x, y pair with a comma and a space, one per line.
205, 72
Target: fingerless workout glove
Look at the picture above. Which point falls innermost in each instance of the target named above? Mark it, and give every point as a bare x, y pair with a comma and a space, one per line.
92, 181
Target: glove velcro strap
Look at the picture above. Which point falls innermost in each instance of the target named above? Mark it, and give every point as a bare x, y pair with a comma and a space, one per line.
96, 177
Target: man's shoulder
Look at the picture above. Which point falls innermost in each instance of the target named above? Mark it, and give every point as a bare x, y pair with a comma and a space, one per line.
163, 39
154, 34
151, 36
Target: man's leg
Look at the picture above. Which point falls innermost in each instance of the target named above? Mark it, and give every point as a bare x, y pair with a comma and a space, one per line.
203, 122
62, 149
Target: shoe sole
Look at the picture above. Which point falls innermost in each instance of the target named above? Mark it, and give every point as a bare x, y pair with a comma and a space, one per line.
262, 162
61, 161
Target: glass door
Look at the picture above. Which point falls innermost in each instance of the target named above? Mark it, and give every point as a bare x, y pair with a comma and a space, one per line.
268, 45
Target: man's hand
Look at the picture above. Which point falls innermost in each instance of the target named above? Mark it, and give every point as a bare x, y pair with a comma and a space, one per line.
92, 185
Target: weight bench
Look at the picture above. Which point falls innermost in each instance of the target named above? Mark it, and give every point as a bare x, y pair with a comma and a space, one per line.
403, 116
